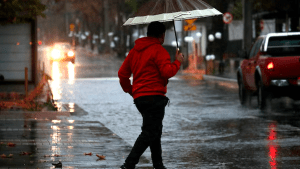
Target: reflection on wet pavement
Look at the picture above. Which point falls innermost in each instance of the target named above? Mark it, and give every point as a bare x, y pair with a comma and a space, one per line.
71, 72
43, 142
55, 83
272, 144
204, 127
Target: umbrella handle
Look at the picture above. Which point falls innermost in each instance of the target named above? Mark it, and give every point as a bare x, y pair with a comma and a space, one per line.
176, 37
175, 34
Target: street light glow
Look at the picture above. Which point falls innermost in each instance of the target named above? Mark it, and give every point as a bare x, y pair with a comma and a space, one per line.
175, 44
188, 39
116, 38
211, 37
218, 35
110, 34
112, 44
210, 57
83, 37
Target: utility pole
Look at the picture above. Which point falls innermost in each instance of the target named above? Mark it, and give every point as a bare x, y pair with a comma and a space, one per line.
247, 21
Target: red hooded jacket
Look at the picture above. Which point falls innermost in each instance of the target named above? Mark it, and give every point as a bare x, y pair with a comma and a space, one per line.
151, 67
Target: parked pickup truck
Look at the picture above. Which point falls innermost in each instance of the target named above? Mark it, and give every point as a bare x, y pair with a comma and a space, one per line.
271, 69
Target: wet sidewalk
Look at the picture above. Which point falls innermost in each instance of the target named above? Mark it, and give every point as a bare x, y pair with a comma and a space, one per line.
41, 139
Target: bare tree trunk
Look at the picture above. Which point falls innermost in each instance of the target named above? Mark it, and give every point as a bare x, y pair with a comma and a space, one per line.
287, 22
122, 44
106, 26
257, 26
247, 19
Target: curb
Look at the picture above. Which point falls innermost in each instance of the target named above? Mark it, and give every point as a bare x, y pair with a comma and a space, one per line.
225, 82
209, 77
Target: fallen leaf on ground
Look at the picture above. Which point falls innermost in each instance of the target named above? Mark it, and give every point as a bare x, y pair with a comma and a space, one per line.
11, 144
56, 155
42, 161
101, 157
89, 154
5, 156
25, 153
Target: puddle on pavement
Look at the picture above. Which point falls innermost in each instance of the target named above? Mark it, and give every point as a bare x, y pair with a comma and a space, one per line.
235, 143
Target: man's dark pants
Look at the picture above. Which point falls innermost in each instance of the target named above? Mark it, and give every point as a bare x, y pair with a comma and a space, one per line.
152, 108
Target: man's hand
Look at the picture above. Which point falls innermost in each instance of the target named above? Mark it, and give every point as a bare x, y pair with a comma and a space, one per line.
179, 56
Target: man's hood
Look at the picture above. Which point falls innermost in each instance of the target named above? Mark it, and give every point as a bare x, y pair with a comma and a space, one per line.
143, 43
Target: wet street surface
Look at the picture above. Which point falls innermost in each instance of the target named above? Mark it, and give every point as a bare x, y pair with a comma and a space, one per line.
204, 126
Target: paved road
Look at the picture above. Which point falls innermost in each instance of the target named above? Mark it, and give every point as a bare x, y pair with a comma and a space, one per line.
204, 126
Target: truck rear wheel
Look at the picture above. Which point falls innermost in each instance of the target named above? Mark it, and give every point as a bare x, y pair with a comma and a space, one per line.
263, 96
244, 95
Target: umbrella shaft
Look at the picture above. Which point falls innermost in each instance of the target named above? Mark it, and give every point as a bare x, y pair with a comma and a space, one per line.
175, 34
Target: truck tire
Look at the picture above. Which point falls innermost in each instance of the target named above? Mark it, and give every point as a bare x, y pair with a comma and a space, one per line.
244, 94
263, 96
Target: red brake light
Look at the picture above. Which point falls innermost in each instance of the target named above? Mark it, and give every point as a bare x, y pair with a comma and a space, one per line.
270, 65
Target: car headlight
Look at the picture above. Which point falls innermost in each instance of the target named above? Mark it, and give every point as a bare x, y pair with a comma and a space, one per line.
55, 54
71, 53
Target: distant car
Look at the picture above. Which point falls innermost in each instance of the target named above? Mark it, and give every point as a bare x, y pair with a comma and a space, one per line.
62, 51
272, 69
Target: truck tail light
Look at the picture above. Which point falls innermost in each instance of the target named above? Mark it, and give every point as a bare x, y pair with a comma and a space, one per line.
270, 66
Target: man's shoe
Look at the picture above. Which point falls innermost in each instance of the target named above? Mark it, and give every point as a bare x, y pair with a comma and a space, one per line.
123, 167
160, 167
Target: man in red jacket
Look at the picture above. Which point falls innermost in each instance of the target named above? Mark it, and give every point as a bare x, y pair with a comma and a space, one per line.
151, 67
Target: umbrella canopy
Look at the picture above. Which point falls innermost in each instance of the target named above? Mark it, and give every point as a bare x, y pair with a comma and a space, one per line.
171, 10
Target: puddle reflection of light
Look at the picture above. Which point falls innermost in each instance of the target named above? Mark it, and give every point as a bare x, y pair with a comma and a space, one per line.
72, 107
71, 71
55, 85
71, 127
56, 151
71, 121
59, 106
273, 146
56, 138
54, 148
56, 121
55, 128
